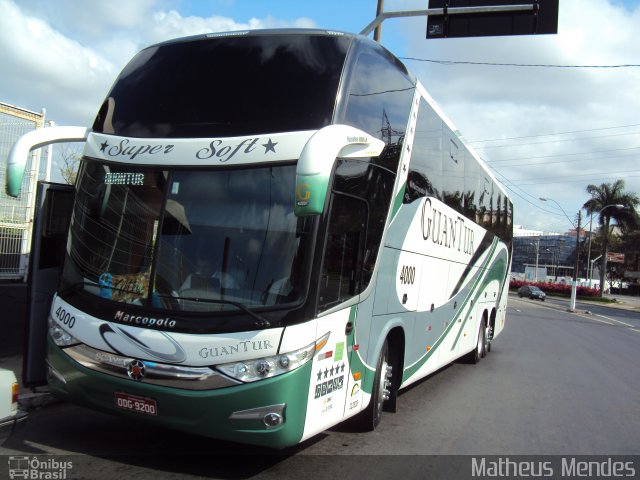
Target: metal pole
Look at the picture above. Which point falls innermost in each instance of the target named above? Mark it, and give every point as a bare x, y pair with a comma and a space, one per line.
537, 247
377, 33
590, 271
574, 289
603, 272
47, 176
440, 11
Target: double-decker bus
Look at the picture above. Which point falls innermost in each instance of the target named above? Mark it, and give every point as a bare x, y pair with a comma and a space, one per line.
272, 232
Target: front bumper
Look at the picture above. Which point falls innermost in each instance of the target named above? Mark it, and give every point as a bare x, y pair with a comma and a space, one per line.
9, 425
219, 413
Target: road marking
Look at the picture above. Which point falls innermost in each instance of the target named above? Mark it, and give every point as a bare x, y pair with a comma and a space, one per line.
591, 317
614, 320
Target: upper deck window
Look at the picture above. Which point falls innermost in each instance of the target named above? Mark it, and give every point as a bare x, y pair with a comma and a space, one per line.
227, 86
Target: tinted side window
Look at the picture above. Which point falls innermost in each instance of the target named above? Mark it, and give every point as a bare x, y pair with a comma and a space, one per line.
425, 171
57, 211
340, 278
374, 185
379, 102
453, 168
442, 167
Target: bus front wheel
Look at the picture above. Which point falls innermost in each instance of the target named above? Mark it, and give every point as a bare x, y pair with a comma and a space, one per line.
370, 417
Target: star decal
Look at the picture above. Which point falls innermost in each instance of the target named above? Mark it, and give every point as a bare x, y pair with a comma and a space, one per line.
103, 146
269, 146
331, 371
326, 372
319, 375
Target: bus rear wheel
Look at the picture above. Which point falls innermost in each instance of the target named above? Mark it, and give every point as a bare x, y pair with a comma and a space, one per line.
480, 349
370, 417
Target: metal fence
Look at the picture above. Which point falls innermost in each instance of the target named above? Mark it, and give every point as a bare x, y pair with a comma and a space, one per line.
16, 214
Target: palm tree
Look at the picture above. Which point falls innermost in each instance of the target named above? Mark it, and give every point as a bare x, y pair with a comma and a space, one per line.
611, 195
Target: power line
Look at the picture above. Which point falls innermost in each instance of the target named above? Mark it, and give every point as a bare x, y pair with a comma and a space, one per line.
557, 141
492, 162
506, 183
557, 162
571, 179
553, 134
492, 64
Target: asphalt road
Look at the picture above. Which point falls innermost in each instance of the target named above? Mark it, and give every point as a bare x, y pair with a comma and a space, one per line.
555, 383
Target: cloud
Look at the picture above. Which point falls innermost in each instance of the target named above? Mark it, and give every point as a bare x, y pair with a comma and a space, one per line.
40, 64
65, 58
172, 24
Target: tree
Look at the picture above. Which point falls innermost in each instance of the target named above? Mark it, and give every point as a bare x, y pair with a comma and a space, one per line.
71, 160
604, 198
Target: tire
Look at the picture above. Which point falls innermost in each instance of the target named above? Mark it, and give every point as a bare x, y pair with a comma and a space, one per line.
370, 417
486, 345
491, 325
479, 351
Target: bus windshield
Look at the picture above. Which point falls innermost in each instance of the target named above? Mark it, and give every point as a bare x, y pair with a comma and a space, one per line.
189, 240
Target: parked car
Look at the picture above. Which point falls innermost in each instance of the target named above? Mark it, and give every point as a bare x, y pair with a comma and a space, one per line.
531, 291
10, 414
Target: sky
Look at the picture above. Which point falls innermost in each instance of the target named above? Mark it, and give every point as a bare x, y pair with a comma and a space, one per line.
544, 131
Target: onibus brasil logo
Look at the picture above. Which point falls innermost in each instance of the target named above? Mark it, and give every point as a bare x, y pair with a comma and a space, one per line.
38, 469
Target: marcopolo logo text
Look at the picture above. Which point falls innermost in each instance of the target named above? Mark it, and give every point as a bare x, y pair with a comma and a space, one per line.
145, 321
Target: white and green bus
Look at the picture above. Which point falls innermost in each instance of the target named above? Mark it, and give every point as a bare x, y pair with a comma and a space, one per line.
272, 232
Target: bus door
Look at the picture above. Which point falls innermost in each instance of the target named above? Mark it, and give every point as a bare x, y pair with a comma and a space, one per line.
342, 277
54, 202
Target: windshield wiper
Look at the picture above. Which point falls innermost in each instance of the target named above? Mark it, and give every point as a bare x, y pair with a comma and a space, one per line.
260, 321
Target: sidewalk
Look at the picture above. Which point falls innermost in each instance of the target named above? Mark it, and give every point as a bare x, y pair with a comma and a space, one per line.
623, 302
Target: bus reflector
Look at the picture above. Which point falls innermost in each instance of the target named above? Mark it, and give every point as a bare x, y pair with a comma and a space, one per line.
14, 394
356, 376
321, 342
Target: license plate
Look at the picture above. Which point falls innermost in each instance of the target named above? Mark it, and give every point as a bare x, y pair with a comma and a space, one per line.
144, 405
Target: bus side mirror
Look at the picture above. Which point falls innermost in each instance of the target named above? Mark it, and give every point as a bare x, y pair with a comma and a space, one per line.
313, 172
38, 138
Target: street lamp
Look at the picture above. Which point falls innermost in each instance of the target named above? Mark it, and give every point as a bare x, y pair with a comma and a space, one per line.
574, 287
559, 206
553, 260
537, 245
591, 262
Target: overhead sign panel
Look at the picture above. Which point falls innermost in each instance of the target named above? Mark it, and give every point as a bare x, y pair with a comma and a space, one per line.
483, 18
615, 257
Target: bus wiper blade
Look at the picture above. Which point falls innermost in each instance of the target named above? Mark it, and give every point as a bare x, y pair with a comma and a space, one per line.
260, 321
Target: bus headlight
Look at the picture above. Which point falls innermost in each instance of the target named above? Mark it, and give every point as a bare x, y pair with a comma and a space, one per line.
60, 336
268, 367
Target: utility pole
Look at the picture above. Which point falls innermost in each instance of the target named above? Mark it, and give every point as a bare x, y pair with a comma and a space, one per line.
574, 289
377, 33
